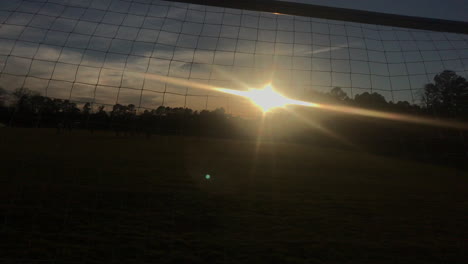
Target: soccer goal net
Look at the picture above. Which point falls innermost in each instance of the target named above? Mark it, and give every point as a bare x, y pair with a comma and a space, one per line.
105, 52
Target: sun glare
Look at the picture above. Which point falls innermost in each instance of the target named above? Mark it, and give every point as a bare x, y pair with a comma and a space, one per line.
265, 98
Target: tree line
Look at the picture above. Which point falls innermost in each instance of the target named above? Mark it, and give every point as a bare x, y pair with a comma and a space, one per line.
446, 97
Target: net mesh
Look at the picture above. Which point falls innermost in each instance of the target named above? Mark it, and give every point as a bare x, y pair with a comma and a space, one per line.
104, 51
97, 206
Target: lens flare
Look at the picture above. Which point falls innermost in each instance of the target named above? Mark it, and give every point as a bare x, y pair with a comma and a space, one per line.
267, 99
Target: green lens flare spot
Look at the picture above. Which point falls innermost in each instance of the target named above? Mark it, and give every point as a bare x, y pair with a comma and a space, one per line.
207, 176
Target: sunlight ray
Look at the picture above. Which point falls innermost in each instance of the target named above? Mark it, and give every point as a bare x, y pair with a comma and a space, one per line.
267, 99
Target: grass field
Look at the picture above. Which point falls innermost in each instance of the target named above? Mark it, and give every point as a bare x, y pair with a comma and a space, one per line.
99, 198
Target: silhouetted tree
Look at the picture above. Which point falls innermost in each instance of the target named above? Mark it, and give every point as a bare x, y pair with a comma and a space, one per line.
147, 122
123, 118
70, 113
86, 114
371, 100
86, 108
338, 94
404, 107
447, 96
99, 120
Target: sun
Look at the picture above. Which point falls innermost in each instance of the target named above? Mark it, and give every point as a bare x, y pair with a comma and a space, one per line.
265, 98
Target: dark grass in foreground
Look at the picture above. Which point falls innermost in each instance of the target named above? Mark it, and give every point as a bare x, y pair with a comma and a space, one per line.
84, 198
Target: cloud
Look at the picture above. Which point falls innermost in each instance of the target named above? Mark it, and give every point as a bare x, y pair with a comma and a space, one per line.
89, 47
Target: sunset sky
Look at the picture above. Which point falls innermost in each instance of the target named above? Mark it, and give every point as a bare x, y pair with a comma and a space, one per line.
101, 51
